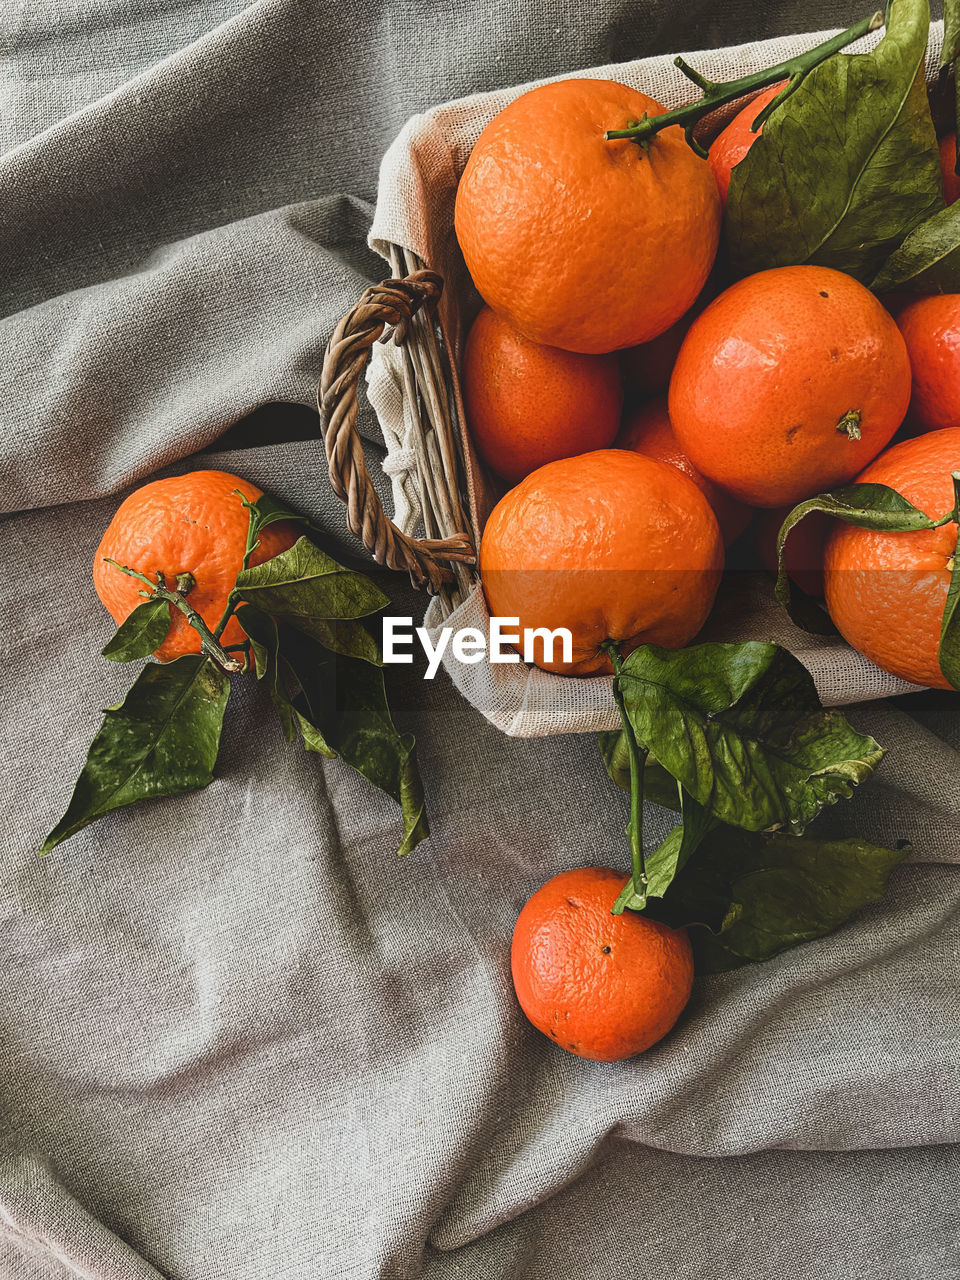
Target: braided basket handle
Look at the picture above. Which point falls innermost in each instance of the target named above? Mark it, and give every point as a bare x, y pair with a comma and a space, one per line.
392, 303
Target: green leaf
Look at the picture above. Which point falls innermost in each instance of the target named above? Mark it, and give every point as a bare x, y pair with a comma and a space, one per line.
951, 34
343, 705
307, 589
670, 855
746, 897
261, 631
162, 740
928, 261
658, 785
269, 510
950, 627
847, 166
741, 728
868, 506
140, 633
347, 637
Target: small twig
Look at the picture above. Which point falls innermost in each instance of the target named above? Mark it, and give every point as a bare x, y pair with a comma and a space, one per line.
794, 71
208, 641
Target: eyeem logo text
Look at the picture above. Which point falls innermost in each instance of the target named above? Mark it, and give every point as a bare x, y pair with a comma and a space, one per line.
470, 645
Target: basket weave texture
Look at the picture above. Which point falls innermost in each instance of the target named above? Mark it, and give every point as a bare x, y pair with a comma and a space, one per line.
440, 489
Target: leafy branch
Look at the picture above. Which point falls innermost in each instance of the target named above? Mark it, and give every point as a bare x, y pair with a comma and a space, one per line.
734, 737
716, 94
178, 598
848, 168
302, 614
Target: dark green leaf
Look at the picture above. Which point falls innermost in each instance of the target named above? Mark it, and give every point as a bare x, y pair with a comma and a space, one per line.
750, 896
950, 627
140, 633
868, 506
664, 863
670, 855
951, 33
343, 701
261, 630
928, 261
313, 672
161, 740
658, 785
307, 589
740, 726
347, 637
847, 166
270, 510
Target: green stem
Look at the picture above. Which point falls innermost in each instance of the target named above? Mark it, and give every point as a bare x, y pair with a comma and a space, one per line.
715, 95
637, 756
253, 542
208, 641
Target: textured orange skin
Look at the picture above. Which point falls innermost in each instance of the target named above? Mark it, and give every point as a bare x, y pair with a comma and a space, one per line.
583, 243
186, 524
611, 544
886, 591
948, 162
648, 430
931, 330
805, 548
527, 404
732, 143
769, 370
602, 1005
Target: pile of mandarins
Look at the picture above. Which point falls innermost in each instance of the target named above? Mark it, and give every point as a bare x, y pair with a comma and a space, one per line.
646, 415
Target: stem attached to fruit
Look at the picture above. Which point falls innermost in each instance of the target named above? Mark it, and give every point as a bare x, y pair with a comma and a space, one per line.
794, 71
849, 425
638, 756
185, 583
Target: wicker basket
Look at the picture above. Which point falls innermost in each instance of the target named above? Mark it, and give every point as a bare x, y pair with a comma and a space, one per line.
427, 314
402, 309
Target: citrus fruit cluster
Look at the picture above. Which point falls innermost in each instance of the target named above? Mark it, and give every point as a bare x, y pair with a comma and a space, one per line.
598, 263
644, 403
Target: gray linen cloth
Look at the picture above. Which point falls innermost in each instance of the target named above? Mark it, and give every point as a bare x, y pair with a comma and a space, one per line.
239, 1039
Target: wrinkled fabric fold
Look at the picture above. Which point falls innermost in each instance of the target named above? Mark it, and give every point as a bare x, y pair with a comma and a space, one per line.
238, 1038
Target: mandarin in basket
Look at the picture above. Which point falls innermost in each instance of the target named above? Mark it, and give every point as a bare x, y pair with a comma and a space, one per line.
196, 524
601, 986
611, 545
732, 143
647, 429
886, 591
527, 404
931, 330
646, 369
789, 384
583, 242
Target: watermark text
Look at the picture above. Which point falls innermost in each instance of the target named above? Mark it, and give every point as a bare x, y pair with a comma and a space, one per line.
504, 643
